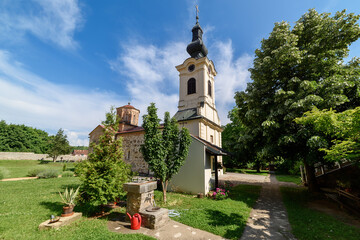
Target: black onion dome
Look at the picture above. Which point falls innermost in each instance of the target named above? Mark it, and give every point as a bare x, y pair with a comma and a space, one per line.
197, 48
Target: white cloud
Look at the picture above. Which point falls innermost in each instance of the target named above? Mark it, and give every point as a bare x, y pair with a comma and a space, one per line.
151, 74
50, 20
26, 98
77, 138
152, 77
232, 76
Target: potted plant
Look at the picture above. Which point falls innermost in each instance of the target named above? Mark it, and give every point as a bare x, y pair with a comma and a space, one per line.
68, 198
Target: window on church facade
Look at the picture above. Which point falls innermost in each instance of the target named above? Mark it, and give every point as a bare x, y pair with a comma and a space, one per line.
191, 86
211, 138
209, 88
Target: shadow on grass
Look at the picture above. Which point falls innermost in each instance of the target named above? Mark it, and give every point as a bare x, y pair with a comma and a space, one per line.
73, 185
87, 210
245, 193
55, 207
218, 218
44, 161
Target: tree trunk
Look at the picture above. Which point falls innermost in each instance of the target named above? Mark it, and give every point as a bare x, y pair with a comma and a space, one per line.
164, 186
311, 178
257, 165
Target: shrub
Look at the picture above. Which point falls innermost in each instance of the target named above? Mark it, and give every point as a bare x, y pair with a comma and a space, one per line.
34, 172
67, 174
220, 194
64, 167
48, 173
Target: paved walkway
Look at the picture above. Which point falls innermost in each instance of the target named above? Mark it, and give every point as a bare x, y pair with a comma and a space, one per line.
17, 179
171, 230
268, 219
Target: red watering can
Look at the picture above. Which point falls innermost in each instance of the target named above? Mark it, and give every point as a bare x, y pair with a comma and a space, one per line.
135, 221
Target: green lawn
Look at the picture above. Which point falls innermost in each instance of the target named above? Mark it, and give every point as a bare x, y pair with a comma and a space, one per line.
248, 171
20, 168
288, 178
308, 224
25, 204
226, 218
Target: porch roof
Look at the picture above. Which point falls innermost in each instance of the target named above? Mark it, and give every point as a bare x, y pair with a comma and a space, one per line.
211, 148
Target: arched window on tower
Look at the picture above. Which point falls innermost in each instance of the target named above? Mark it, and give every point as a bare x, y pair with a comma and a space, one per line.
191, 86
209, 88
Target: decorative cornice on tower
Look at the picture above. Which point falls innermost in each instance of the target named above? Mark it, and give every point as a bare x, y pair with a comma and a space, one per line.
197, 48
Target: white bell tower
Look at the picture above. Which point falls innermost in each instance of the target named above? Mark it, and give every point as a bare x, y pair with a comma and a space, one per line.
196, 109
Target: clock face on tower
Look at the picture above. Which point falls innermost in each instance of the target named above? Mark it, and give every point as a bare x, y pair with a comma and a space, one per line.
191, 68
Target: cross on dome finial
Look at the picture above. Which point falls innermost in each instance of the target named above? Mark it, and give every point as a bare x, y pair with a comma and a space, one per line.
197, 13
197, 48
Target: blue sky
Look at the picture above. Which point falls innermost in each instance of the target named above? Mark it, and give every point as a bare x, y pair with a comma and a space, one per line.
63, 63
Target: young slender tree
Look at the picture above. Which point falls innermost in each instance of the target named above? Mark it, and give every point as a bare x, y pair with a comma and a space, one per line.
295, 70
59, 145
165, 151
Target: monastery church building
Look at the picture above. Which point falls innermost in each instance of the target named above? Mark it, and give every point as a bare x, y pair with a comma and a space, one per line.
196, 112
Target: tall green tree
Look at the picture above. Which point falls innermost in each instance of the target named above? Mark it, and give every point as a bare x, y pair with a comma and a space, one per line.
232, 141
59, 145
165, 151
343, 128
295, 70
104, 172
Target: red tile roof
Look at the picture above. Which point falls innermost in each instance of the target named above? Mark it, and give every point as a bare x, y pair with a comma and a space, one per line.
80, 152
128, 106
135, 129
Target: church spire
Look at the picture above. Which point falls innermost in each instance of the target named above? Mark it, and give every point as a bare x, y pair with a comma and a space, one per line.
197, 48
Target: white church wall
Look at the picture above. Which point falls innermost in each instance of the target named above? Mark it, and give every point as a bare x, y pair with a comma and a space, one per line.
192, 126
191, 176
207, 175
202, 130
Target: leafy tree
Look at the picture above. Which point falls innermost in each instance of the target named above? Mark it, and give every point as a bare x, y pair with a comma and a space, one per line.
165, 151
295, 70
59, 145
104, 172
342, 127
21, 138
232, 141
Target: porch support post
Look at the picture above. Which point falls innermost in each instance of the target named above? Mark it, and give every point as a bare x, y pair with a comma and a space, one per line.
216, 173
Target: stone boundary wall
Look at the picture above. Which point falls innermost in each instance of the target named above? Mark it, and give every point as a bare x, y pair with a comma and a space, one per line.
34, 156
